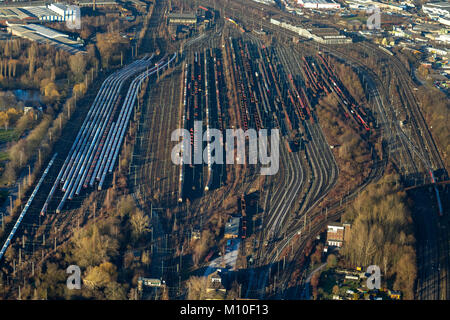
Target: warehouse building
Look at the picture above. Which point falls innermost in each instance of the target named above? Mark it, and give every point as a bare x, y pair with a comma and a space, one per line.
337, 234
43, 14
319, 4
362, 5
232, 228
14, 14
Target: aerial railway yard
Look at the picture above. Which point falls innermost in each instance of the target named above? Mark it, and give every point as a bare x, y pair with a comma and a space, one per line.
273, 89
151, 169
235, 79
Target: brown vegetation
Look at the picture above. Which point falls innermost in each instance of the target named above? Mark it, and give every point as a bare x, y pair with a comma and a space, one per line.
382, 233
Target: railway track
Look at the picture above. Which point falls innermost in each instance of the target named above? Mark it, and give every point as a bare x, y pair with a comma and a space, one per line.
87, 144
319, 190
374, 175
395, 139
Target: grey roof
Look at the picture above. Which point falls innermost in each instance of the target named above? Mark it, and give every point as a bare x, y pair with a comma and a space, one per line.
182, 16
232, 227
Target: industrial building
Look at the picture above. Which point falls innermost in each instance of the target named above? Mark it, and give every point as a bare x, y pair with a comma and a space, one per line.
182, 18
320, 35
267, 2
329, 36
444, 21
14, 14
24, 30
51, 12
66, 12
43, 13
437, 9
337, 234
139, 4
44, 35
319, 4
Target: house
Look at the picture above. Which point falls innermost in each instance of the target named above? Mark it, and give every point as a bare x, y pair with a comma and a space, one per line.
27, 109
214, 288
337, 234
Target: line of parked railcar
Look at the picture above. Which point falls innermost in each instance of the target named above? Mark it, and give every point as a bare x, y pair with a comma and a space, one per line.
297, 104
257, 95
204, 101
126, 112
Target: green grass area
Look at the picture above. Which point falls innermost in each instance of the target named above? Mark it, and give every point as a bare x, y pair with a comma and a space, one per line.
8, 135
4, 156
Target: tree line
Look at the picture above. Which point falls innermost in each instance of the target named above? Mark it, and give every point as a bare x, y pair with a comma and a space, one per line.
382, 233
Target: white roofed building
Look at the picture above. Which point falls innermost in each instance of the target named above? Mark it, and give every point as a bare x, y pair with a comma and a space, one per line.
319, 4
66, 12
